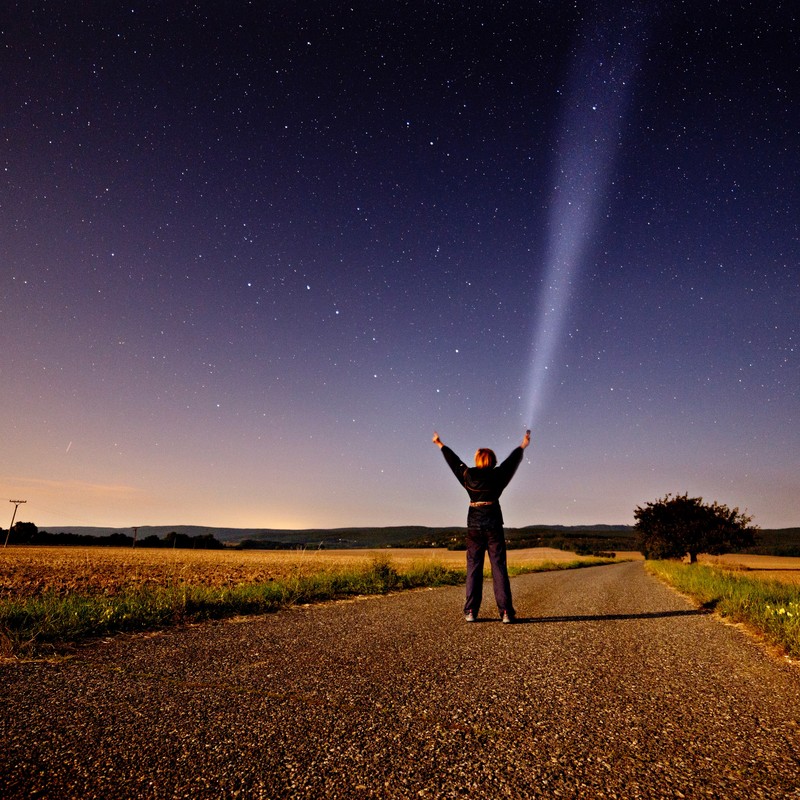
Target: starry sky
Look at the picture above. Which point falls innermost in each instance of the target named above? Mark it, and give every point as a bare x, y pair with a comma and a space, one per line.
252, 254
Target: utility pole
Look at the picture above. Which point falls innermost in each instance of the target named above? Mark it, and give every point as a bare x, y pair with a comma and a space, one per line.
17, 504
135, 532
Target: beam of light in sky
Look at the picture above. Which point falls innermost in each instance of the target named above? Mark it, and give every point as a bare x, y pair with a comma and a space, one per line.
597, 96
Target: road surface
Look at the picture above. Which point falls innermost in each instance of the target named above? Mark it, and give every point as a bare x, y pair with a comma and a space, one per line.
610, 686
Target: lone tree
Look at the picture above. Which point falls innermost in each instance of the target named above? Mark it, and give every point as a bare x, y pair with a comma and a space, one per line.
674, 526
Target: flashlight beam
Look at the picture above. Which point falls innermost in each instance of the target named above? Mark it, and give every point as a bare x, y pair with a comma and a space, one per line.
599, 91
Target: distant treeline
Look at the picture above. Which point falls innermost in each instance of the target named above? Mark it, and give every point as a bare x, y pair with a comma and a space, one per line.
267, 544
783, 542
28, 533
582, 541
596, 540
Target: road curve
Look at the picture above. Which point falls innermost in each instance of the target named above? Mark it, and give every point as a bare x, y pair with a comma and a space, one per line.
610, 686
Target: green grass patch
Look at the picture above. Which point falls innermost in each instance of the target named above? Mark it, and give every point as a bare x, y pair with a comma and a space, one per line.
51, 622
771, 607
48, 622
552, 566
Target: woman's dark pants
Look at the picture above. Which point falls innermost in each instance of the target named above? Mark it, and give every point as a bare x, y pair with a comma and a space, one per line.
478, 542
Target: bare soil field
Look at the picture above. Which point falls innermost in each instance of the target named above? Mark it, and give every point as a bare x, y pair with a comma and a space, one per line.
31, 571
777, 568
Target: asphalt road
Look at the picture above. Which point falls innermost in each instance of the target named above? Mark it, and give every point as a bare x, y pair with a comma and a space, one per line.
610, 686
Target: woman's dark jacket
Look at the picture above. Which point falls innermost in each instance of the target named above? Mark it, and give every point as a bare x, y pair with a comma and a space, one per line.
484, 485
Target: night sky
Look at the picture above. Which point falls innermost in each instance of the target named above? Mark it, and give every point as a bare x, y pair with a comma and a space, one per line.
252, 254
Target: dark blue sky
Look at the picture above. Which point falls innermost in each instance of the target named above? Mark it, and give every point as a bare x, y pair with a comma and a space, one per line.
252, 254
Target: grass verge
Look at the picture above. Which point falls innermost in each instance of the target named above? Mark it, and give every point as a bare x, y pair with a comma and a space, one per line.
37, 624
52, 621
770, 607
552, 566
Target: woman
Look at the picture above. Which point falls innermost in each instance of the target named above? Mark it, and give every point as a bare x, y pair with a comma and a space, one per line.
485, 483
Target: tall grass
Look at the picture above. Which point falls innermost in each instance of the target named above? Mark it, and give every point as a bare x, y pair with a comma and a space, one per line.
771, 607
37, 624
34, 625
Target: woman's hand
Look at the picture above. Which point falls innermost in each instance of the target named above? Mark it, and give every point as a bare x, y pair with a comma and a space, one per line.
527, 440
437, 441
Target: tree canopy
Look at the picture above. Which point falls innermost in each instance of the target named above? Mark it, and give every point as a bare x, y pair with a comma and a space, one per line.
673, 527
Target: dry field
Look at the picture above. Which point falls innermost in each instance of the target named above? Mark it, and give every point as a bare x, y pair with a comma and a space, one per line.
776, 568
31, 571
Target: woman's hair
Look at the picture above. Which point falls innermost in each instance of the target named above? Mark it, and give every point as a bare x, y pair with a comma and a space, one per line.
484, 457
